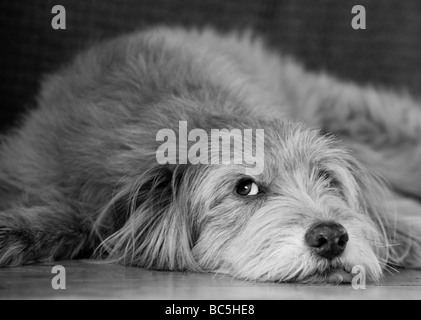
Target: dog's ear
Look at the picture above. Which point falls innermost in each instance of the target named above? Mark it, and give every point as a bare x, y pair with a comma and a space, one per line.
151, 228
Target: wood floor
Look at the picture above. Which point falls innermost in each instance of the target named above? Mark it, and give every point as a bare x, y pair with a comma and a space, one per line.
86, 280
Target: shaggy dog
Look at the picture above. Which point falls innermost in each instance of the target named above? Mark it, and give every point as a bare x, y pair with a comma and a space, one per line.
80, 177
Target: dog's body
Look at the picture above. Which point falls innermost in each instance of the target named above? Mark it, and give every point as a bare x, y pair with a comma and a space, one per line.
82, 170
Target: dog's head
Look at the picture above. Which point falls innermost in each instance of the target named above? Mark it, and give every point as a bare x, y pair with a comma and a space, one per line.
310, 215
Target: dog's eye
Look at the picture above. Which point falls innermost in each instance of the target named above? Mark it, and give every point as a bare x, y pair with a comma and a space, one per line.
327, 176
247, 188
324, 175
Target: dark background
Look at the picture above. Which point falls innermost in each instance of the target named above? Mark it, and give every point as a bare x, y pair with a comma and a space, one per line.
318, 32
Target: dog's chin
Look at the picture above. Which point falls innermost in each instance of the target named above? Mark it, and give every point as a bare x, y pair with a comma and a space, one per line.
337, 275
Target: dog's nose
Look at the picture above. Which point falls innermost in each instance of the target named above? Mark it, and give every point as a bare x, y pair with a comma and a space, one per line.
327, 239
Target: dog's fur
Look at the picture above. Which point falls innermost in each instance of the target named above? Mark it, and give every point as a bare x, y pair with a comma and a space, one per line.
81, 174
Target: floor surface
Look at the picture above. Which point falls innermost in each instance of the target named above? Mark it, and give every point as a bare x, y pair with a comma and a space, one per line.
87, 280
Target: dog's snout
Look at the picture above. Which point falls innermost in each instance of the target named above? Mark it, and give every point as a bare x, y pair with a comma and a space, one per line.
327, 239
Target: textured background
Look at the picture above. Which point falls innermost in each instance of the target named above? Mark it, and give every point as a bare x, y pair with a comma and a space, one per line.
318, 32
